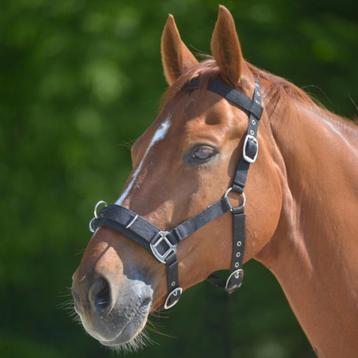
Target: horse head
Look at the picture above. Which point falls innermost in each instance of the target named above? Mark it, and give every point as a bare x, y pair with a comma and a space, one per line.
183, 163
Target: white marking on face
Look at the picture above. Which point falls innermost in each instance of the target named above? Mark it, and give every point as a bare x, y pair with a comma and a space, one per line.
159, 134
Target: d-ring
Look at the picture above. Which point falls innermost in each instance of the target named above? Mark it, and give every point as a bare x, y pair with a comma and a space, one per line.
90, 225
173, 298
100, 203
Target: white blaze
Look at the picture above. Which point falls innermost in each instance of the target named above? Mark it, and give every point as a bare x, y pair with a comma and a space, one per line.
159, 134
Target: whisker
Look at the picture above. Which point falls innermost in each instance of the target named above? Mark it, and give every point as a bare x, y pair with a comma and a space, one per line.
153, 328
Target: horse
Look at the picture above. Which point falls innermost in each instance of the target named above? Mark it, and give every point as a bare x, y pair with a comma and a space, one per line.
301, 200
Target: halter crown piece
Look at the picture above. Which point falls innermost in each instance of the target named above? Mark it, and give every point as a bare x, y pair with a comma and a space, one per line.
163, 244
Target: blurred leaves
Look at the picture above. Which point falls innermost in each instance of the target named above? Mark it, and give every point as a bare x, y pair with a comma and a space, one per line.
80, 80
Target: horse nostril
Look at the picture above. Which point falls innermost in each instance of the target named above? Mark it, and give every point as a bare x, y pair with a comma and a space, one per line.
100, 294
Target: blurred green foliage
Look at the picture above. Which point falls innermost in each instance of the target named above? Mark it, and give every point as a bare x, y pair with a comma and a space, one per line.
79, 81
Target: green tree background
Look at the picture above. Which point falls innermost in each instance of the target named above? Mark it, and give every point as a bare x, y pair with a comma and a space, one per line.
79, 81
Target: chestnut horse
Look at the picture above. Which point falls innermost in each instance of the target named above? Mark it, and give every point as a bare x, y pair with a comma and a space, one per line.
301, 200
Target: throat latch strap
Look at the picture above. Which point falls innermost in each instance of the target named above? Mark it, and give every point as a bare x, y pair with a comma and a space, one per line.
163, 244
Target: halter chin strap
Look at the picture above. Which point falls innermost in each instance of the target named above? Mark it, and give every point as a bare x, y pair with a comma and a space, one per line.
163, 244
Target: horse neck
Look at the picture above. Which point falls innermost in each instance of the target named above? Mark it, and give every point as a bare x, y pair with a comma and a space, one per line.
314, 252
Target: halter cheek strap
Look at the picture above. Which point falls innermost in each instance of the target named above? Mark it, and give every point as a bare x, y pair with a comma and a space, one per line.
163, 244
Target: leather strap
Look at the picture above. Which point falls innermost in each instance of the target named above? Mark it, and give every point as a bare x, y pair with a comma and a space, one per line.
231, 94
238, 248
188, 227
128, 223
250, 146
235, 97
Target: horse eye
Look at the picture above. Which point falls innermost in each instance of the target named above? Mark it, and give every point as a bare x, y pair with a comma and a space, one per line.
202, 154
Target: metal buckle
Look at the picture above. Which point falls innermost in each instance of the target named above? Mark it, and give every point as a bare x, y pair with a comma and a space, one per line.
162, 236
176, 293
242, 196
238, 274
244, 150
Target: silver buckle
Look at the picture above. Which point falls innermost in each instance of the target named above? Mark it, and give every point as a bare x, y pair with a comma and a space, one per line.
176, 292
237, 273
246, 156
154, 247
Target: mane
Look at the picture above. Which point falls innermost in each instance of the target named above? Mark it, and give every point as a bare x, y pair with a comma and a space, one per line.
277, 89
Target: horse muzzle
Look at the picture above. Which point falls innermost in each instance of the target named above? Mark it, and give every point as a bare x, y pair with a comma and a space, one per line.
114, 314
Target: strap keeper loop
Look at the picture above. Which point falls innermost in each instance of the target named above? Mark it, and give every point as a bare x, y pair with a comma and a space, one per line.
237, 188
177, 234
256, 110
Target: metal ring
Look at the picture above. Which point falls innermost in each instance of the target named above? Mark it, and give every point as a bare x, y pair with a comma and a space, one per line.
99, 203
237, 274
176, 293
243, 202
91, 229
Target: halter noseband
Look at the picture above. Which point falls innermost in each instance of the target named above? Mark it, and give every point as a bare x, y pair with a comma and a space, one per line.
163, 244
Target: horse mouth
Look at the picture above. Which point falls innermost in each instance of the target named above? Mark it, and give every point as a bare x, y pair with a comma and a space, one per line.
128, 328
131, 337
121, 329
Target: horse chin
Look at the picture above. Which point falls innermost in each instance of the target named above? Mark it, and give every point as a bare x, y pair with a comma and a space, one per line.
131, 338
120, 330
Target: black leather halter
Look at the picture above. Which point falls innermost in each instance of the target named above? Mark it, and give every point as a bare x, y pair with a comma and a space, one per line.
163, 244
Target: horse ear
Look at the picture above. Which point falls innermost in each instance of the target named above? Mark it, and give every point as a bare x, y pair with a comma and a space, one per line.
225, 47
176, 57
